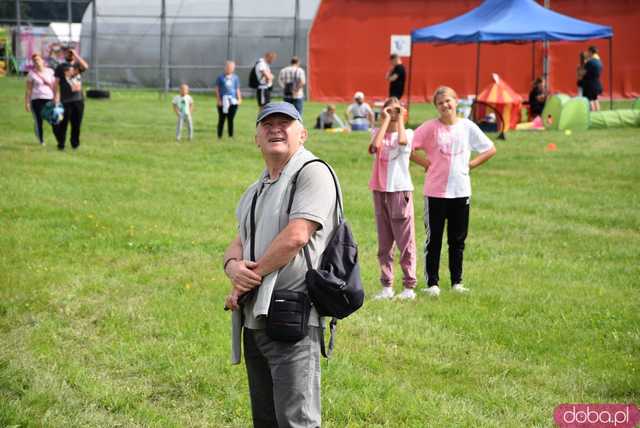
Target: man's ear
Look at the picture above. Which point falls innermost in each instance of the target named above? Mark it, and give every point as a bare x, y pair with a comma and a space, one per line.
304, 134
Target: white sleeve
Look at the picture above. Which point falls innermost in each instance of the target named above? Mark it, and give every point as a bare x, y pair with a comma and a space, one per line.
407, 147
478, 140
281, 78
397, 148
260, 68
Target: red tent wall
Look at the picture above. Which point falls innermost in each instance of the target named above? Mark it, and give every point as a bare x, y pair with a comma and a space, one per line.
349, 49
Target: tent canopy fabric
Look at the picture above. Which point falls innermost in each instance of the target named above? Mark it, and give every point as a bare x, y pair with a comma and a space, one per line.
510, 21
499, 92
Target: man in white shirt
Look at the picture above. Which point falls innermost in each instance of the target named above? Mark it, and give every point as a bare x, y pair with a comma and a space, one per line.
292, 80
265, 78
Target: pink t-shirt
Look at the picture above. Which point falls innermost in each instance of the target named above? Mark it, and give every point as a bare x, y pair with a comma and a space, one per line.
42, 84
391, 164
448, 148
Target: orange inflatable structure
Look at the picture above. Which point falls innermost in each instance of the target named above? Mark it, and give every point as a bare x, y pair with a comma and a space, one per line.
505, 100
349, 47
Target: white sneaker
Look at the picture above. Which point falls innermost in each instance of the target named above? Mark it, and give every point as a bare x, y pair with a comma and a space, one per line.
407, 294
459, 288
433, 291
386, 293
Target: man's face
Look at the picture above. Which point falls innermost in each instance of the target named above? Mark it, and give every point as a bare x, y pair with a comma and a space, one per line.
68, 55
279, 135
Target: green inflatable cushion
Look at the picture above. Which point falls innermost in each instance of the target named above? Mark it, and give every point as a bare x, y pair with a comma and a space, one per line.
553, 110
575, 115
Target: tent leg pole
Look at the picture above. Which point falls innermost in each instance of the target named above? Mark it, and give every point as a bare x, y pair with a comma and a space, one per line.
610, 73
409, 82
533, 60
477, 69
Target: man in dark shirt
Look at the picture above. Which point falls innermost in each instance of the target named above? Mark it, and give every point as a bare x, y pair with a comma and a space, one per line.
68, 91
591, 85
396, 76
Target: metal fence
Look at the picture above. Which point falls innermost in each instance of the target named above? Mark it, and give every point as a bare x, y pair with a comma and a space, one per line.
163, 43
176, 44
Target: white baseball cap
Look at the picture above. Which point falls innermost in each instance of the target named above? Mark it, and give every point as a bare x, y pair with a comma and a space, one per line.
358, 95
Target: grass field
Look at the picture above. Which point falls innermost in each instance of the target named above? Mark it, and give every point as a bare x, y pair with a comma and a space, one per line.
111, 286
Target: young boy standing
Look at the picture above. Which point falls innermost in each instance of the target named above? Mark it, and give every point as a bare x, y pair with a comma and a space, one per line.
183, 107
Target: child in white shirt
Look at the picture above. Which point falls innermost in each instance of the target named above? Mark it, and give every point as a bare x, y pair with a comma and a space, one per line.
393, 199
183, 107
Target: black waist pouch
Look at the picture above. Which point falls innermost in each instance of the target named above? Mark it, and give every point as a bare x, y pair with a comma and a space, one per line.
288, 318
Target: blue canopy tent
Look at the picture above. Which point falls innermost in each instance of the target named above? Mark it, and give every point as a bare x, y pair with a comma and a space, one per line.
513, 21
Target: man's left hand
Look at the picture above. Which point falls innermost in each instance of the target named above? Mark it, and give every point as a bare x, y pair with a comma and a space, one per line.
231, 301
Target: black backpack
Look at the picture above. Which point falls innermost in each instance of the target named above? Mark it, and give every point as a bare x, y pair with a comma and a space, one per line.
335, 288
253, 77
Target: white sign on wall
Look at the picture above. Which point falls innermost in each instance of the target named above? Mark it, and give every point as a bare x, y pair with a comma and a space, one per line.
401, 45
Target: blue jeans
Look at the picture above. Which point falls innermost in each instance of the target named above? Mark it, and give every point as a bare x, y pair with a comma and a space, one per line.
359, 127
297, 103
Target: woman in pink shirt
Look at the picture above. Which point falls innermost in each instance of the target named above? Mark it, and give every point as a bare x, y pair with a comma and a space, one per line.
393, 199
40, 84
448, 142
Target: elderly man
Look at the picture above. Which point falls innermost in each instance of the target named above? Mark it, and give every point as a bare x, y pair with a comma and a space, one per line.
284, 377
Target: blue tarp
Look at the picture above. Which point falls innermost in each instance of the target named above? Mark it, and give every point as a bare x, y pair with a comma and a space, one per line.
510, 21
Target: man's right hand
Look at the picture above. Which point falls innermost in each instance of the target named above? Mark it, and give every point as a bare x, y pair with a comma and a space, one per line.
242, 275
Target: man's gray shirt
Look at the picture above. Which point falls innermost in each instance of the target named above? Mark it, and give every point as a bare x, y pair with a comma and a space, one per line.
314, 200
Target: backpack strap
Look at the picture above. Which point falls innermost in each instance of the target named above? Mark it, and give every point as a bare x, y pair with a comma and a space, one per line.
333, 324
252, 248
294, 184
332, 338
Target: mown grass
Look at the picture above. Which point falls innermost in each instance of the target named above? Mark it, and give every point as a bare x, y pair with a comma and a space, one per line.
111, 285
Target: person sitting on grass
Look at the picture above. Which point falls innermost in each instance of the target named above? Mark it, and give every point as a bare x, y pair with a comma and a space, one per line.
328, 119
537, 98
393, 198
448, 142
359, 114
183, 108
